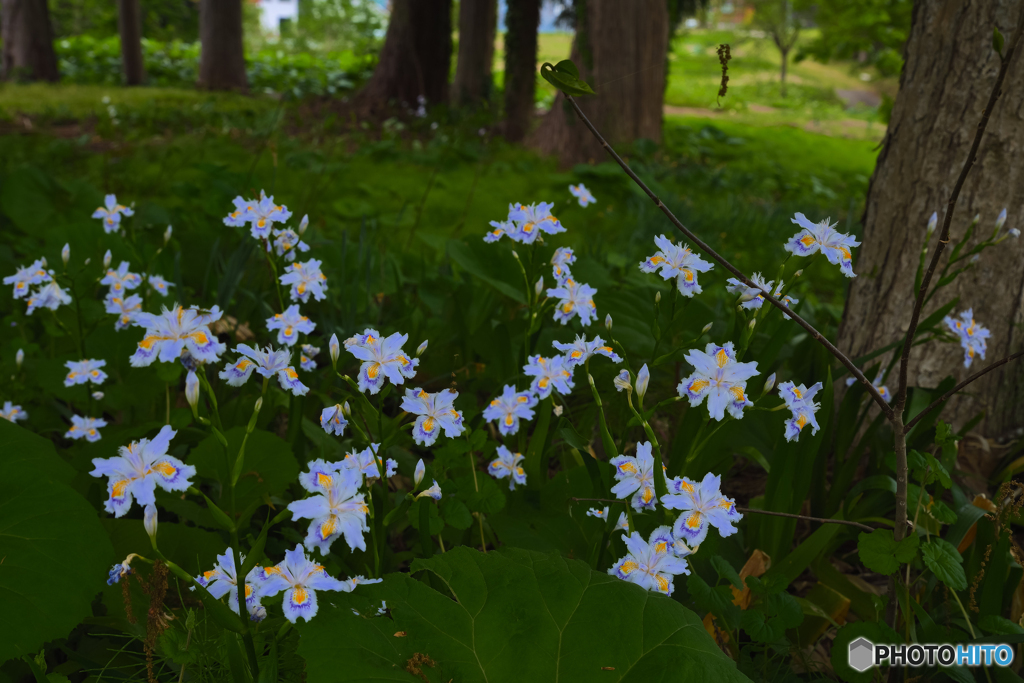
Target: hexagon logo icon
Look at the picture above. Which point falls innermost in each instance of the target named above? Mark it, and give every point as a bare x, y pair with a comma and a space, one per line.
862, 653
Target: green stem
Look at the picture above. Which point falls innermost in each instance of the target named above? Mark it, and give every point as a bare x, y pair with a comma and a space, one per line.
213, 398
607, 441
660, 484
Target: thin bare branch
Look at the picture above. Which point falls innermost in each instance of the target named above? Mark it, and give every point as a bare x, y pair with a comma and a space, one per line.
915, 318
942, 399
733, 269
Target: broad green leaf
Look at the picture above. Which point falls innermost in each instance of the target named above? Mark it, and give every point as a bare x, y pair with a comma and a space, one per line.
1000, 626
416, 513
566, 77
717, 600
945, 562
880, 552
876, 632
481, 494
455, 513
55, 552
726, 571
785, 572
509, 616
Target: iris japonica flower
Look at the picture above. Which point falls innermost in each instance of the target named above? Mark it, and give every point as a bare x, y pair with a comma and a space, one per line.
126, 308
798, 400
702, 504
650, 564
80, 372
12, 413
305, 279
622, 524
365, 462
721, 378
501, 228
111, 213
383, 358
159, 285
823, 237
635, 475
142, 466
883, 390
548, 374
267, 363
121, 279
300, 579
433, 492
508, 464
289, 325
677, 262
754, 296
582, 194
262, 215
337, 509
973, 337
532, 220
176, 331
287, 243
120, 570
560, 262
306, 355
580, 351
239, 216
223, 580
623, 382
435, 412
50, 296
23, 278
333, 420
509, 408
575, 298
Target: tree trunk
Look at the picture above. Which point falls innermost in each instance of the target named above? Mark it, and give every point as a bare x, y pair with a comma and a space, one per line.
129, 24
415, 59
620, 50
782, 72
222, 52
521, 21
478, 21
27, 41
948, 75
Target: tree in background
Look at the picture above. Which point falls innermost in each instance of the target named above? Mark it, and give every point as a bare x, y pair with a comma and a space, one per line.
27, 41
336, 25
161, 19
129, 22
945, 83
222, 55
620, 49
478, 22
522, 19
870, 31
775, 17
416, 58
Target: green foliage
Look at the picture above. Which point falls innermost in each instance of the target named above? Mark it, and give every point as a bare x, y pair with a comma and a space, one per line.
511, 615
945, 562
881, 553
566, 77
877, 29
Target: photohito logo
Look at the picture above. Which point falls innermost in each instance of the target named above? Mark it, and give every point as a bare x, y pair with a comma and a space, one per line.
864, 654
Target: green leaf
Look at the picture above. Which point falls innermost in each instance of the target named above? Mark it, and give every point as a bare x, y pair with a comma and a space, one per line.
945, 562
880, 552
566, 77
726, 571
874, 631
717, 600
55, 552
534, 464
997, 40
791, 566
1000, 625
425, 506
505, 617
455, 513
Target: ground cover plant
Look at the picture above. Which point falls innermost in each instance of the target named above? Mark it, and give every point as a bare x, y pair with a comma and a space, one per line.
441, 461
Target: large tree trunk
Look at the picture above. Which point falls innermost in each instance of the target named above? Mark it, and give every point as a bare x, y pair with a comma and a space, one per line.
222, 54
129, 24
478, 22
416, 57
949, 71
620, 51
27, 41
522, 19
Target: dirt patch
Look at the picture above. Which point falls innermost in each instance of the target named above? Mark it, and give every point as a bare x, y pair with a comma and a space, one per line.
851, 98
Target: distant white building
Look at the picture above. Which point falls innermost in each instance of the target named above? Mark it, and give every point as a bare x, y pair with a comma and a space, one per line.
276, 13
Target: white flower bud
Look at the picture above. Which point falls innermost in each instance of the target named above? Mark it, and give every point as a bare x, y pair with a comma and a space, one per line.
97, 395
1001, 220
643, 378
975, 258
753, 321
65, 253
933, 222
335, 349
258, 406
87, 261
657, 297
106, 259
539, 286
150, 521
192, 389
303, 224
421, 469
43, 261
608, 322
1013, 232
19, 357
769, 383
515, 255
167, 234
346, 409
798, 273
706, 329
621, 382
422, 348
557, 410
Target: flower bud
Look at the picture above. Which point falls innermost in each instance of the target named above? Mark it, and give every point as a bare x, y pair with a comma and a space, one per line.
557, 410
106, 259
933, 222
87, 261
167, 234
515, 255
657, 297
621, 382
643, 378
97, 395
346, 409
750, 325
422, 348
417, 476
259, 405
303, 224
19, 358
538, 287
65, 253
335, 348
798, 273
257, 613
706, 329
150, 522
1001, 220
1013, 232
434, 492
43, 261
769, 383
192, 389
608, 322
975, 258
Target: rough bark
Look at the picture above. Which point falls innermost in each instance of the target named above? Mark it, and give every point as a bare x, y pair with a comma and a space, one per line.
416, 57
129, 24
27, 41
478, 22
949, 71
522, 19
620, 50
222, 55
